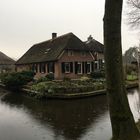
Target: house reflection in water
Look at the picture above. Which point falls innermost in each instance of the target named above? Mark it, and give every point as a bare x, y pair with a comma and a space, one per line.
66, 119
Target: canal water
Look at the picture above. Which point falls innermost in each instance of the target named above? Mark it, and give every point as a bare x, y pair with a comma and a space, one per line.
22, 118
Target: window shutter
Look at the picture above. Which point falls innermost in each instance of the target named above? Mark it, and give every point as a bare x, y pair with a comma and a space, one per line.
75, 67
44, 68
48, 69
35, 68
63, 67
92, 66
100, 64
53, 69
40, 67
71, 67
83, 67
32, 67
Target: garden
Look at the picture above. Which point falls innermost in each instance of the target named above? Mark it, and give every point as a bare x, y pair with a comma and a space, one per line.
44, 86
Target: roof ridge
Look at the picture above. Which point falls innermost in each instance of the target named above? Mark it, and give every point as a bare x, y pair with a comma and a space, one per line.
93, 40
70, 33
69, 37
6, 56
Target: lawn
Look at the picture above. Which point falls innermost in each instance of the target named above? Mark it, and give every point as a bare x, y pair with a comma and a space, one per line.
132, 77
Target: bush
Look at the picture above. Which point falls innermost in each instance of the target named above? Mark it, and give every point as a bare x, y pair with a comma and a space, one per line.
132, 77
16, 80
84, 78
130, 69
50, 76
42, 79
98, 74
43, 88
27, 73
66, 79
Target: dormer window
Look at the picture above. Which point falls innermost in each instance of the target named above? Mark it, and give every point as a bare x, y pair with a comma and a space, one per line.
70, 53
47, 50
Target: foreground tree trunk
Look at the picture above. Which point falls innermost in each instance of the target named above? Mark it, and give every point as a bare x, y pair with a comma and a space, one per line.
122, 121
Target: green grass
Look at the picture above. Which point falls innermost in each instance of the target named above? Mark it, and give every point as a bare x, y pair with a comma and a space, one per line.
131, 77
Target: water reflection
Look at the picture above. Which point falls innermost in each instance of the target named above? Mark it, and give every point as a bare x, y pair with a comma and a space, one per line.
59, 119
134, 101
22, 118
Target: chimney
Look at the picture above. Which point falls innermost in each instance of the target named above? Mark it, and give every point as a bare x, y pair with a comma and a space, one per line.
54, 35
90, 38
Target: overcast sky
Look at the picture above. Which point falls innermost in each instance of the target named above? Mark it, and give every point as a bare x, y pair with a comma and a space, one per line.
27, 22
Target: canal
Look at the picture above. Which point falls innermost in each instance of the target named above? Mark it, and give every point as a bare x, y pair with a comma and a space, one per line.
23, 118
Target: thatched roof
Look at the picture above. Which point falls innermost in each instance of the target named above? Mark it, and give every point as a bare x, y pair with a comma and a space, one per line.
51, 49
94, 45
5, 60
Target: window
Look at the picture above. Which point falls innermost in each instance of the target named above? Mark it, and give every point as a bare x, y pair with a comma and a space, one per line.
42, 68
79, 68
50, 67
88, 67
67, 67
96, 65
34, 68
70, 53
47, 50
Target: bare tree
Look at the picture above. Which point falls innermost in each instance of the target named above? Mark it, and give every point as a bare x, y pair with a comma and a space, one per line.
122, 121
134, 13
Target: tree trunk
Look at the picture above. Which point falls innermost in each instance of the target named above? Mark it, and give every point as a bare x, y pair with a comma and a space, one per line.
122, 121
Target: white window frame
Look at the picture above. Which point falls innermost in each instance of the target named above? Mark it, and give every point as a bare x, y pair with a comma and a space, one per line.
67, 64
80, 63
96, 62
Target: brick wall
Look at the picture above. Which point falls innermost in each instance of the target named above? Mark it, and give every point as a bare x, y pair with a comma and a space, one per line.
75, 57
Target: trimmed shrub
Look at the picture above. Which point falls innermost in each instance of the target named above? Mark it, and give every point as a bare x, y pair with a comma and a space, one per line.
98, 74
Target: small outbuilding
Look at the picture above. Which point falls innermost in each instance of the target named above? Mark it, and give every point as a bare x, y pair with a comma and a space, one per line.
7, 64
